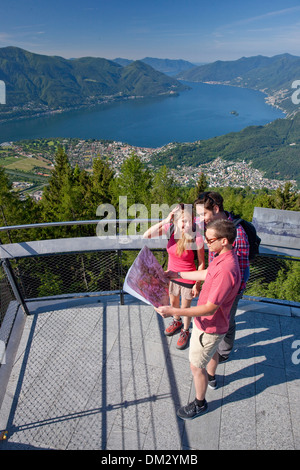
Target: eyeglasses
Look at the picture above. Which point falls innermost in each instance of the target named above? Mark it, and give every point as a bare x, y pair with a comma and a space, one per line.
211, 240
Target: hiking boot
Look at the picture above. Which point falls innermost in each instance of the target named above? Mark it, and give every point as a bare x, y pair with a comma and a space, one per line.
183, 339
173, 327
192, 410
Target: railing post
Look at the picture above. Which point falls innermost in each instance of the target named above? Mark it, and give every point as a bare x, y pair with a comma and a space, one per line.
120, 274
14, 285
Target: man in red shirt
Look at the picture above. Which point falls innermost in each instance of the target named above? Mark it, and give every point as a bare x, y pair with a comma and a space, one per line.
209, 206
222, 283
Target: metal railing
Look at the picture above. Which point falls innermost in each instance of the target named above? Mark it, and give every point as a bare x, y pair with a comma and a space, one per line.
77, 266
90, 266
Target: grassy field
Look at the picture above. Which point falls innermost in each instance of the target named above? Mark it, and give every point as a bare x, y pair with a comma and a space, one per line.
27, 164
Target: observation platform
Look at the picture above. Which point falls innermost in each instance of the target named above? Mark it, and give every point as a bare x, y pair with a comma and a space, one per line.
92, 374
88, 368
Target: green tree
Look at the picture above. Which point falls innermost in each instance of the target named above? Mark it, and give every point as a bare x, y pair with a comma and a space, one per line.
79, 196
200, 186
49, 284
164, 189
263, 198
102, 179
287, 284
9, 202
13, 211
56, 201
239, 201
134, 182
286, 198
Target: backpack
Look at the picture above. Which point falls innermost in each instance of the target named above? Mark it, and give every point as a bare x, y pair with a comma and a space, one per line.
253, 238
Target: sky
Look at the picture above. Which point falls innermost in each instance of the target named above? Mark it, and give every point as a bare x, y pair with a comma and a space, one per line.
194, 30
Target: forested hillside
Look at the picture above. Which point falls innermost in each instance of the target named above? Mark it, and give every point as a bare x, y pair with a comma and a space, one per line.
273, 148
34, 79
273, 75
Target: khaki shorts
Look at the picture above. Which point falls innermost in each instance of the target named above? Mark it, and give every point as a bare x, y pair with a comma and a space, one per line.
202, 347
176, 290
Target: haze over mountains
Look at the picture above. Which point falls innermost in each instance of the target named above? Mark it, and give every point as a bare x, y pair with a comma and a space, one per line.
168, 66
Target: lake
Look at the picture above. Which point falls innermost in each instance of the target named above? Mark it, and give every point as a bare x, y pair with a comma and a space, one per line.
203, 112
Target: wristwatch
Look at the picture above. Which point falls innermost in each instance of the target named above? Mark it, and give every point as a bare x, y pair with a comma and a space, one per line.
179, 275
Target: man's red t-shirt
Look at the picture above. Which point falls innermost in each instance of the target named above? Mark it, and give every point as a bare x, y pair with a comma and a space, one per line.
222, 283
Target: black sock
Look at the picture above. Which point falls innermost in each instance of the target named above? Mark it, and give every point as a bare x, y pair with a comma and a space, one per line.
199, 402
211, 377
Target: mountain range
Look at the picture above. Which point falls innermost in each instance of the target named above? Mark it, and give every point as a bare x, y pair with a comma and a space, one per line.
272, 75
51, 81
56, 82
37, 83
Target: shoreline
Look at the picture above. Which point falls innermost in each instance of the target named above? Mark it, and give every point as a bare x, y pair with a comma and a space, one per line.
268, 98
106, 100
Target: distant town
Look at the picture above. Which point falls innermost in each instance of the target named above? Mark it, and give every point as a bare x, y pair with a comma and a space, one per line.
37, 157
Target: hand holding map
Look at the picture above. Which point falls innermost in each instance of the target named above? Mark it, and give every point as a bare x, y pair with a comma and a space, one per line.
146, 280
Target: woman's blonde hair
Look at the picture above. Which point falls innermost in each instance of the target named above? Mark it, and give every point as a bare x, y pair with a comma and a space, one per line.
185, 240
